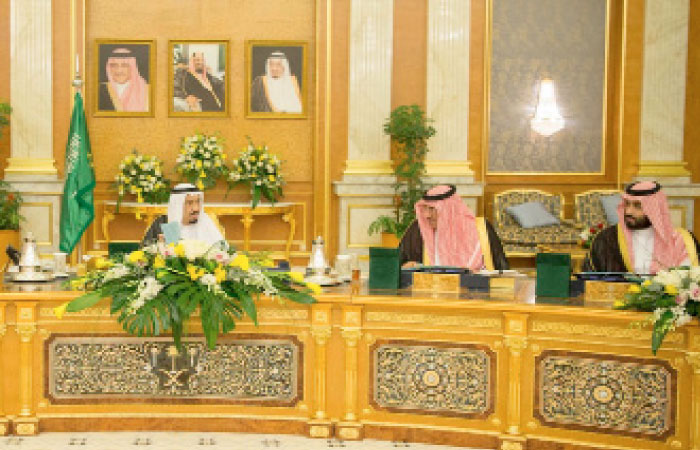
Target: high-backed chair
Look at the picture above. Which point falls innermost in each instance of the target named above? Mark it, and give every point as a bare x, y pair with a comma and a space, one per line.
524, 241
588, 208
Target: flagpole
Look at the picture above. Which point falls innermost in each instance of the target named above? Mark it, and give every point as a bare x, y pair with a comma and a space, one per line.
77, 83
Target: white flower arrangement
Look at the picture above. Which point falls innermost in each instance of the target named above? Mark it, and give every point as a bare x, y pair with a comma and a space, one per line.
258, 169
142, 176
202, 160
672, 296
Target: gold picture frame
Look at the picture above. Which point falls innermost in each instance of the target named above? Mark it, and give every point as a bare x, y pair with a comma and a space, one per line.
291, 94
125, 74
198, 79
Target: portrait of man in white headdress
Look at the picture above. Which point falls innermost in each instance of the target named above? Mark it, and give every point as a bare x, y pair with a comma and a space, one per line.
277, 83
185, 215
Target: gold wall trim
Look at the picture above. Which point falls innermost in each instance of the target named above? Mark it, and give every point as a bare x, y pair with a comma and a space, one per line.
684, 213
433, 319
568, 328
267, 415
448, 168
663, 169
31, 166
368, 167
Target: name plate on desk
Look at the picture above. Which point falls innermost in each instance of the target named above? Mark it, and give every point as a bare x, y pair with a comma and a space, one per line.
605, 290
436, 282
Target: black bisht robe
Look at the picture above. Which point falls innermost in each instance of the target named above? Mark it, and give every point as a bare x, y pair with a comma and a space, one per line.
192, 86
605, 254
151, 236
411, 248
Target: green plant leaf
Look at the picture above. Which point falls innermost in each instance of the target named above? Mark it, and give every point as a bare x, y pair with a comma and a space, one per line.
84, 301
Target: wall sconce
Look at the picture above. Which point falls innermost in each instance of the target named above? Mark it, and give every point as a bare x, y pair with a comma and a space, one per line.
547, 120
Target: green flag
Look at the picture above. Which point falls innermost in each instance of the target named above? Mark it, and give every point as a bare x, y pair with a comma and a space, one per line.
77, 209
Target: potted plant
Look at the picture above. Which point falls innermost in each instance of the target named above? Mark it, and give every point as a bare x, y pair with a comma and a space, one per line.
5, 110
410, 130
10, 201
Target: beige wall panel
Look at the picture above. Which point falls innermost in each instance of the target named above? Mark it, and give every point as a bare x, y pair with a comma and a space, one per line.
570, 49
39, 220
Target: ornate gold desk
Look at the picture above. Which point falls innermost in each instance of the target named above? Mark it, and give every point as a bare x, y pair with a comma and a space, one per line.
148, 213
482, 371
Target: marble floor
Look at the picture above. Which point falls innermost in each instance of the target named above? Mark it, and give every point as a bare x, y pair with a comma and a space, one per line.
197, 441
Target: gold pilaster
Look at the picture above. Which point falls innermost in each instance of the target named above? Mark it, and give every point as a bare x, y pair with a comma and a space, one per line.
515, 341
320, 426
694, 360
350, 428
4, 423
26, 423
247, 222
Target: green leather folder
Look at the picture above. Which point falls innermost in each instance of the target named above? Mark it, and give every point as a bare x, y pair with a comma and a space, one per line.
384, 268
116, 248
553, 274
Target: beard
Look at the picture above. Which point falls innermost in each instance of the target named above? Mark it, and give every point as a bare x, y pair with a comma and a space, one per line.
637, 223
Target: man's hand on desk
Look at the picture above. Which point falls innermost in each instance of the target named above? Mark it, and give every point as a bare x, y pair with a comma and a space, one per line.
410, 265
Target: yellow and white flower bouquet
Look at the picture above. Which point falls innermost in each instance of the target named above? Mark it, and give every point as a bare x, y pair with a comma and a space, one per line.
142, 176
672, 296
202, 160
155, 290
260, 170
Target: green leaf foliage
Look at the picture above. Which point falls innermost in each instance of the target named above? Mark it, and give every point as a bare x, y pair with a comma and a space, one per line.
410, 129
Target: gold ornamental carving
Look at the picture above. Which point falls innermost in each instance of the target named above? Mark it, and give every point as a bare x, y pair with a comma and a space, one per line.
349, 434
433, 319
26, 331
321, 316
510, 445
352, 318
283, 314
25, 429
3, 429
694, 360
569, 328
321, 334
319, 431
89, 312
3, 329
351, 336
696, 341
516, 344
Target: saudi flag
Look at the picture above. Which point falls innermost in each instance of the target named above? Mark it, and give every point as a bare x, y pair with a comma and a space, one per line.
77, 209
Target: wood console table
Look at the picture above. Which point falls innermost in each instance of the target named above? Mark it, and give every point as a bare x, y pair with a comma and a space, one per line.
148, 213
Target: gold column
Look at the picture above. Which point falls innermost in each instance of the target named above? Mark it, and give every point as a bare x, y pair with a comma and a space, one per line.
694, 360
4, 423
26, 424
247, 221
320, 426
350, 428
515, 341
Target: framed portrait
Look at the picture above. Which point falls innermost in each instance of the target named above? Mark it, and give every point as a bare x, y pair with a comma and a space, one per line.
276, 81
198, 78
125, 74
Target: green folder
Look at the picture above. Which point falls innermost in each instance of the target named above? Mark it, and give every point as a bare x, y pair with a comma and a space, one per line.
384, 268
116, 248
553, 274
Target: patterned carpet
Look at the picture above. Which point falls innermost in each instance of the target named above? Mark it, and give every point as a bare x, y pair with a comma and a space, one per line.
197, 441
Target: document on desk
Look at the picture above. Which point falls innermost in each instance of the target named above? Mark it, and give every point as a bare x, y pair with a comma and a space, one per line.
171, 232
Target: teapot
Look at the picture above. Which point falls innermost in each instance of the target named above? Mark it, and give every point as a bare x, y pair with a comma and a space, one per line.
29, 257
317, 261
